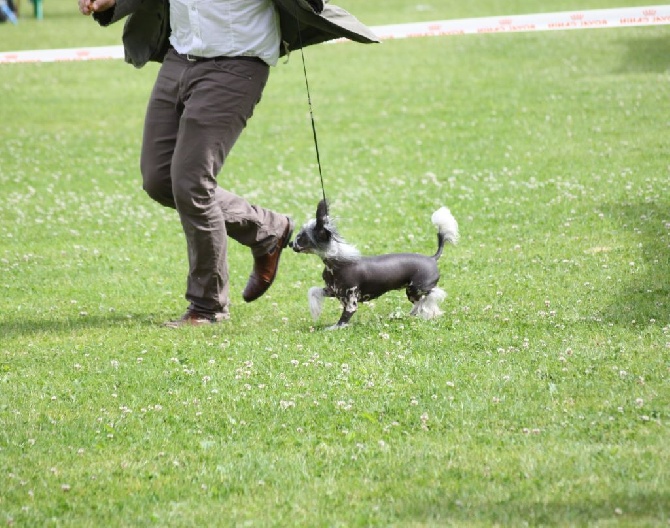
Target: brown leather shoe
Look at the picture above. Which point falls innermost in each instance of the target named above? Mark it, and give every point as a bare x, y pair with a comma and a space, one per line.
265, 268
193, 318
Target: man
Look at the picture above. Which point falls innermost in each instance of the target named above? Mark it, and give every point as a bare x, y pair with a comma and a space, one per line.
215, 59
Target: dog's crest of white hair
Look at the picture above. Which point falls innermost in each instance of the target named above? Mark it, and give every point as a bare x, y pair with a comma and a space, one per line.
341, 251
338, 248
446, 224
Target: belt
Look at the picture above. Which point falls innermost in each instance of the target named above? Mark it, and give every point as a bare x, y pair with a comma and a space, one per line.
194, 58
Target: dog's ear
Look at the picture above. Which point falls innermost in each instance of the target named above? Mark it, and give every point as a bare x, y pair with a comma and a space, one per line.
321, 214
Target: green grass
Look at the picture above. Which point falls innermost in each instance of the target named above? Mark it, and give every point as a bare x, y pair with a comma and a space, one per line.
541, 398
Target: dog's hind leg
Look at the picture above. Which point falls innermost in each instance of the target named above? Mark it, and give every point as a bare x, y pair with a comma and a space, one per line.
428, 306
416, 296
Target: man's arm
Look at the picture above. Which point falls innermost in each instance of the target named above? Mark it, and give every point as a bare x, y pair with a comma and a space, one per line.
88, 7
107, 12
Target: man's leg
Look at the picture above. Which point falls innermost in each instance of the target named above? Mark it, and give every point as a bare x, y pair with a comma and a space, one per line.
218, 98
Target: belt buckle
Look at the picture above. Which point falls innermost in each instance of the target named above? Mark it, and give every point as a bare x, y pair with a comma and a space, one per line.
191, 58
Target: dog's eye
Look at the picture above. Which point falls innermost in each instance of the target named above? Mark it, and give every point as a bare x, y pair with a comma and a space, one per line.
323, 236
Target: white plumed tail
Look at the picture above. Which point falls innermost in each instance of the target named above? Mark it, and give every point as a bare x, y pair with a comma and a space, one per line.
446, 224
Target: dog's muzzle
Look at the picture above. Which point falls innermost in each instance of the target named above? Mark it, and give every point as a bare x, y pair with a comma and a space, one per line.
297, 247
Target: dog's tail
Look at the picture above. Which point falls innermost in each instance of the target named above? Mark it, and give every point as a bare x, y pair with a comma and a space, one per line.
447, 229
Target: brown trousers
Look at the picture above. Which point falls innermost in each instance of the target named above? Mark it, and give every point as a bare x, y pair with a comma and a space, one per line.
196, 112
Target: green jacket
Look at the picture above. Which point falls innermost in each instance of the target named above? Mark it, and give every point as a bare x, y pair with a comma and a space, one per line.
306, 22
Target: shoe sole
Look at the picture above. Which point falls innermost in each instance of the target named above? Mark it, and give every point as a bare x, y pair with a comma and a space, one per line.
193, 322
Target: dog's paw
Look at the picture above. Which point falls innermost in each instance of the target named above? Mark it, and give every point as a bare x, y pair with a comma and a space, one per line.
337, 326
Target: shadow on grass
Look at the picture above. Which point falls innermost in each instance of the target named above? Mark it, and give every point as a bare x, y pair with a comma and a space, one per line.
647, 295
22, 326
646, 54
636, 509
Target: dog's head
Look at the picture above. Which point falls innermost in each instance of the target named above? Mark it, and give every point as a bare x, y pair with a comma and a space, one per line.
315, 235
320, 237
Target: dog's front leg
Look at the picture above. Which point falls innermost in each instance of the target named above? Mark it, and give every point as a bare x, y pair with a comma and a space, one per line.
349, 307
315, 297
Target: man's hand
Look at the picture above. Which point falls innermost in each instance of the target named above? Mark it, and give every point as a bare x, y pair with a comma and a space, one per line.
317, 5
86, 7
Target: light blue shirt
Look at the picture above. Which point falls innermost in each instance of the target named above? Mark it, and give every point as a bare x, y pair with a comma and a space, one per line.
212, 28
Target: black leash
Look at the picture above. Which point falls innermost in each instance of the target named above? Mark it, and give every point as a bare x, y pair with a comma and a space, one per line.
309, 101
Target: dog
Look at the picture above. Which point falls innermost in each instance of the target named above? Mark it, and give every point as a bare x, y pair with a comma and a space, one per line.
352, 278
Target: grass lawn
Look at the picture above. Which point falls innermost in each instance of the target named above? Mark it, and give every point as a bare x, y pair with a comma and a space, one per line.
540, 398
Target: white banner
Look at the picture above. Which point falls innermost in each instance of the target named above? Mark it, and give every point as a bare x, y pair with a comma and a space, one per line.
593, 19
